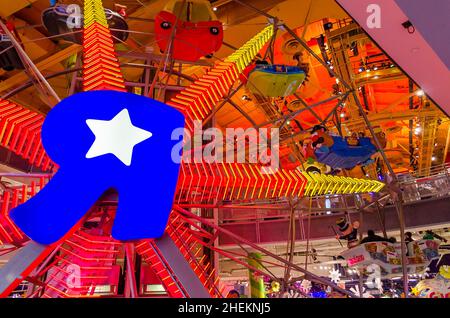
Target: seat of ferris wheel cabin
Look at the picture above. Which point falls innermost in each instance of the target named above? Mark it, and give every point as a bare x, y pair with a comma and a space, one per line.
197, 32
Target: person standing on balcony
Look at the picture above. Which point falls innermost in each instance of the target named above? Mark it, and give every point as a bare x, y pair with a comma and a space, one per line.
408, 237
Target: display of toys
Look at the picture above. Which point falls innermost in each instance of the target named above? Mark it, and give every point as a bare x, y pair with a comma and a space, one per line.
388, 256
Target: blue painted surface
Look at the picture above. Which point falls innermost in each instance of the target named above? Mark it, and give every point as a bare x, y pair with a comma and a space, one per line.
146, 188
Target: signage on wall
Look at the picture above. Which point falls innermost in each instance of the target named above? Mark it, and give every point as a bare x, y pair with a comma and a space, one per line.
105, 140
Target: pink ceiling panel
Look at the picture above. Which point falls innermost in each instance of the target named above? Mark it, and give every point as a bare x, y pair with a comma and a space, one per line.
409, 50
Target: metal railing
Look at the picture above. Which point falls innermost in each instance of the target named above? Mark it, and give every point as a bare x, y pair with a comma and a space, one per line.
436, 185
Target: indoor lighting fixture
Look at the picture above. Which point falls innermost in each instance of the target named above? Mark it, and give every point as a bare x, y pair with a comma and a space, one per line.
361, 69
418, 130
376, 77
420, 92
215, 9
433, 158
342, 115
375, 68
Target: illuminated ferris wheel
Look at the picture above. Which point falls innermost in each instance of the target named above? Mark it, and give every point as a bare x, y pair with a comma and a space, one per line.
88, 261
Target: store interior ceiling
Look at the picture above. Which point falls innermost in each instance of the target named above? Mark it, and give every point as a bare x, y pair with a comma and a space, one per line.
392, 101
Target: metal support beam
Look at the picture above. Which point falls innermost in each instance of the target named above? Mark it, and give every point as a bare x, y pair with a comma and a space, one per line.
243, 241
297, 112
181, 268
27, 61
130, 279
43, 65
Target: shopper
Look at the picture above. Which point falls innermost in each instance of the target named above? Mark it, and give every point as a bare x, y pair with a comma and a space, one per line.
233, 294
392, 240
408, 237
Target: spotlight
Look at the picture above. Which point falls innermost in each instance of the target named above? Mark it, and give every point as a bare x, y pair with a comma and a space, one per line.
376, 77
418, 130
342, 115
215, 9
409, 26
420, 92
392, 65
328, 26
433, 158
375, 68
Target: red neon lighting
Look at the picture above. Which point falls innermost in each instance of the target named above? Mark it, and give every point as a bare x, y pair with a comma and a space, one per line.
234, 181
101, 69
18, 130
197, 100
